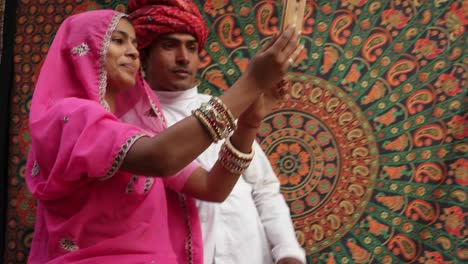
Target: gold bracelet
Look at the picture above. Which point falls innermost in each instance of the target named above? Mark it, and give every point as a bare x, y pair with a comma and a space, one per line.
233, 168
228, 116
206, 124
216, 120
239, 154
234, 160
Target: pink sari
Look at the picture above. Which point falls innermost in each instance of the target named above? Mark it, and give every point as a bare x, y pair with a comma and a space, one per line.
88, 210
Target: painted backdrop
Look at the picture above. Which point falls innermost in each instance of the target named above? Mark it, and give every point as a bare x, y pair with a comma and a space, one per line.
370, 145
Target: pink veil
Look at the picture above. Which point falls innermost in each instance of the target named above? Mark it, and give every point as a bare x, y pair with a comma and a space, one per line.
69, 113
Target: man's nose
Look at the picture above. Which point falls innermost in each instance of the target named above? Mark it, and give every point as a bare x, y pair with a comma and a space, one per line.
182, 56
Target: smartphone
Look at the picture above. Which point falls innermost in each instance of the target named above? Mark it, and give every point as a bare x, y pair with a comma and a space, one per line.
293, 13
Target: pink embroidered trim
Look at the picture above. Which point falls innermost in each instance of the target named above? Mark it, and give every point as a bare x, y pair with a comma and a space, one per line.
102, 64
120, 156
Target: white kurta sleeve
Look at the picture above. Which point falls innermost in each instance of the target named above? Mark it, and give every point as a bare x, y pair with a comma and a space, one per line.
272, 208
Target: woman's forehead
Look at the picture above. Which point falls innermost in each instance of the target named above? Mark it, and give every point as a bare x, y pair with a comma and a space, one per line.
125, 27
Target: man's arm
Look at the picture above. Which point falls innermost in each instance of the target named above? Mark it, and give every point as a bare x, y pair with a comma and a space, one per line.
273, 211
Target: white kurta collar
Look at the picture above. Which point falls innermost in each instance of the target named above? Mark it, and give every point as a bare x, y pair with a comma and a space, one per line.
168, 98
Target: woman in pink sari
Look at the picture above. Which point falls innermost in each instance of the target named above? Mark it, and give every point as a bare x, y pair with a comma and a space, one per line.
99, 160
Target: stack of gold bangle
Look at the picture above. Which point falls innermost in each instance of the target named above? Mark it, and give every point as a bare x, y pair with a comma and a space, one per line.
216, 118
234, 160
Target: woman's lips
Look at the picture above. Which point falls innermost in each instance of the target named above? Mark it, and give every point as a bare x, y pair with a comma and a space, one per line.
130, 67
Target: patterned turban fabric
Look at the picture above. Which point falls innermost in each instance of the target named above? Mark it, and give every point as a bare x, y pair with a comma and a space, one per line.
153, 18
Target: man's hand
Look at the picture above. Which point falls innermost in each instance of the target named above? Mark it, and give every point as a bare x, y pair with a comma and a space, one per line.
289, 261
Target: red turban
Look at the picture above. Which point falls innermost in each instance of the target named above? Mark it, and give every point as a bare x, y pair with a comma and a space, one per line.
153, 18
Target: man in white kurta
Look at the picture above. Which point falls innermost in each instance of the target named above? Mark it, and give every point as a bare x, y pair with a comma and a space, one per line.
253, 225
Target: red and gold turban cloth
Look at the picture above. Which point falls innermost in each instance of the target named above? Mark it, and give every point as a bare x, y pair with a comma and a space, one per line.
153, 18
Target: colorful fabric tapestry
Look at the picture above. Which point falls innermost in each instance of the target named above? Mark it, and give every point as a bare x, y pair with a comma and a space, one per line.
370, 145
